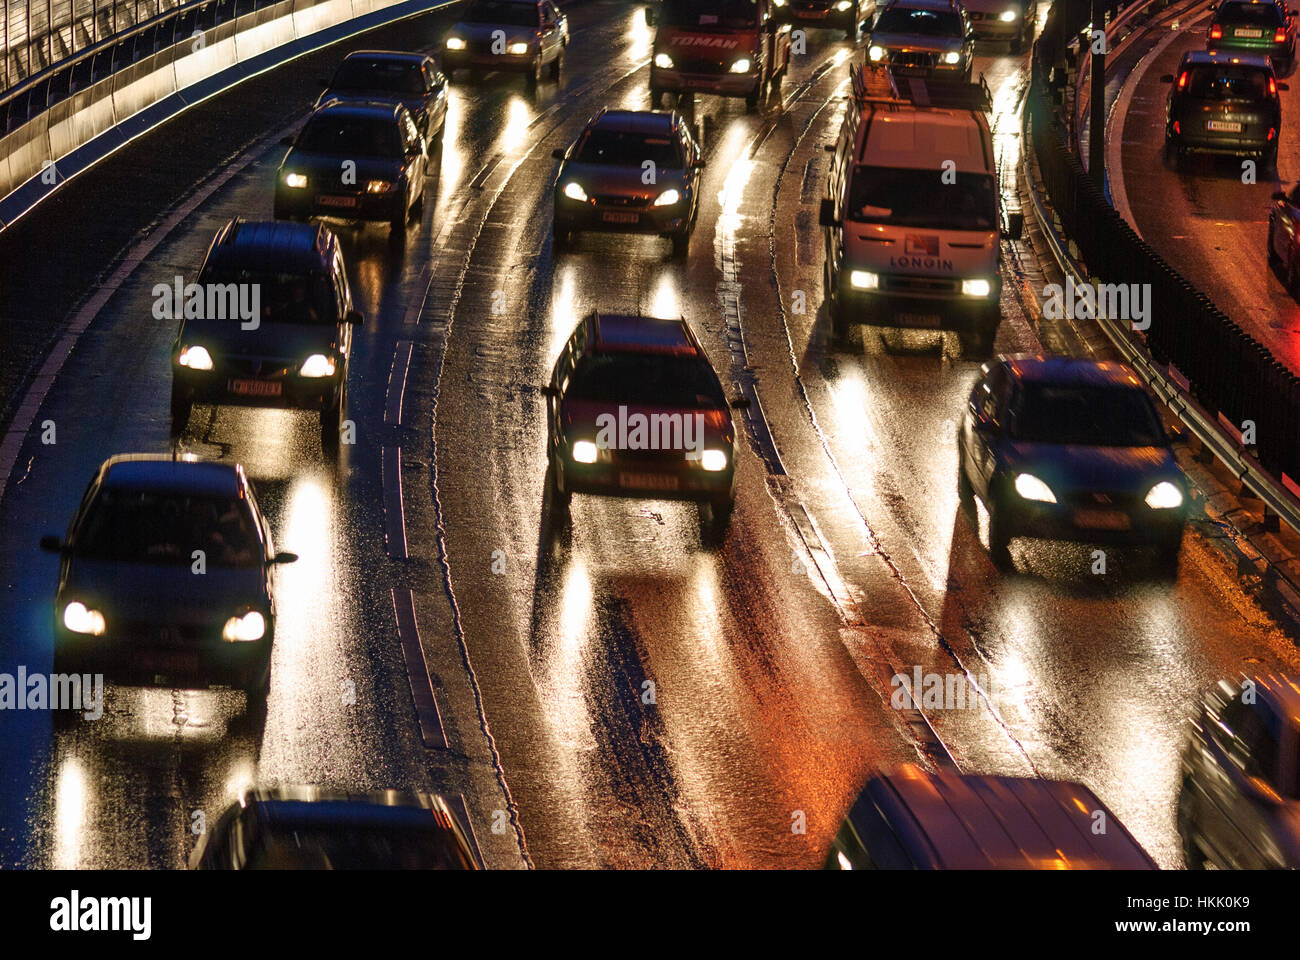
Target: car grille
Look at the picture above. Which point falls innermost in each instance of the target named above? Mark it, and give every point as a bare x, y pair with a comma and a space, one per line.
701, 64
642, 456
913, 59
920, 285
607, 200
1101, 500
159, 636
813, 5
255, 367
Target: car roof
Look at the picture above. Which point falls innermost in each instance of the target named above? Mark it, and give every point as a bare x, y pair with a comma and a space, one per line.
1224, 4
954, 821
378, 109
272, 245
625, 333
636, 121
1071, 371
162, 473
923, 5
1199, 57
402, 55
911, 137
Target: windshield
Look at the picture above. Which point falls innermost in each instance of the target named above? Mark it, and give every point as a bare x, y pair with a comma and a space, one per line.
403, 77
351, 136
1085, 416
710, 13
1228, 83
1250, 15
501, 11
282, 297
917, 198
927, 23
646, 380
356, 848
131, 526
622, 149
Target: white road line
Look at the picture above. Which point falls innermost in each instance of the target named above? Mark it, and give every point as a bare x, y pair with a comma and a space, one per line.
417, 671
394, 515
397, 383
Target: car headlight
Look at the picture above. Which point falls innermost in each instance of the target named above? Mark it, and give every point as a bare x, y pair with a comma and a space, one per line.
295, 180
976, 288
78, 618
779, 3
952, 56
317, 365
1031, 488
743, 65
574, 191
843, 5
1164, 496
379, 186
455, 43
1007, 16
518, 49
663, 61
251, 626
584, 451
864, 280
667, 198
196, 358
877, 53
713, 460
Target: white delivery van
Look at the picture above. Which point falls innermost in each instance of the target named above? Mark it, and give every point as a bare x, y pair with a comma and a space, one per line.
912, 217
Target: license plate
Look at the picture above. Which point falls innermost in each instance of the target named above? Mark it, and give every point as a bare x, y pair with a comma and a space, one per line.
348, 202
917, 319
1248, 32
1227, 126
170, 663
256, 388
612, 217
1101, 519
648, 481
910, 71
814, 14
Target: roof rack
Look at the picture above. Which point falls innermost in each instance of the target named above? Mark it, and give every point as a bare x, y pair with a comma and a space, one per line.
875, 82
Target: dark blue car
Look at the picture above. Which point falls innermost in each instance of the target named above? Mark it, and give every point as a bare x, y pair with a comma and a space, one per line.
1067, 449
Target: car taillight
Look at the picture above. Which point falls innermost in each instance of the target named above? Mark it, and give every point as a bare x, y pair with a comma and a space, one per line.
1272, 86
1177, 129
1279, 35
1216, 32
1271, 132
1182, 80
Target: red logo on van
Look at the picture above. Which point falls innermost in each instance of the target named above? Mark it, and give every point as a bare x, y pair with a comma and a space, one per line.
917, 245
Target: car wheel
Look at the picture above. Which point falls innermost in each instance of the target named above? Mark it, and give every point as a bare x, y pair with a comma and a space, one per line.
1018, 43
331, 424
557, 66
256, 696
180, 411
1292, 280
965, 492
751, 99
999, 536
852, 31
562, 236
1168, 553
977, 341
561, 497
681, 244
1270, 158
534, 77
1193, 858
835, 310
417, 208
656, 98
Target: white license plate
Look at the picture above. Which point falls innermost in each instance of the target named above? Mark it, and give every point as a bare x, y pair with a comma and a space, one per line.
1089, 519
917, 319
1249, 33
1225, 126
328, 201
647, 481
256, 388
613, 217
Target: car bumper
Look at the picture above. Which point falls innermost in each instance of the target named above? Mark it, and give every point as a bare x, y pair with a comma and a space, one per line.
578, 216
838, 19
288, 392
722, 84
140, 658
908, 310
1234, 145
669, 478
941, 70
998, 29
1277, 52
362, 206
471, 60
1086, 524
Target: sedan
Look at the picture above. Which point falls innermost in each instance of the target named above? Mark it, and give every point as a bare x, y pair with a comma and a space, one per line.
1220, 103
1250, 26
923, 38
1284, 238
412, 79
1069, 449
520, 36
165, 579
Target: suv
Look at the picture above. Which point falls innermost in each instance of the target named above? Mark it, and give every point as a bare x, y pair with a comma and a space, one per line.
923, 38
409, 78
292, 352
602, 180
1223, 103
354, 161
846, 15
1012, 20
521, 36
1250, 26
634, 409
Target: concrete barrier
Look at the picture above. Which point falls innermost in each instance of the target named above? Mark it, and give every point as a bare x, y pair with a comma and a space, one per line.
83, 129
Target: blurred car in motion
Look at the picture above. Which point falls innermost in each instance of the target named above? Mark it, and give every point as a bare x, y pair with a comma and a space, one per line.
907, 245
914, 820
1254, 26
1284, 238
294, 353
412, 79
165, 579
846, 15
602, 179
1061, 448
634, 409
1223, 103
1012, 20
354, 161
307, 828
518, 36
923, 38
1239, 806
732, 48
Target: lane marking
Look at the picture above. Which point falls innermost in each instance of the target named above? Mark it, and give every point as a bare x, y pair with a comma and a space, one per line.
394, 518
397, 382
417, 671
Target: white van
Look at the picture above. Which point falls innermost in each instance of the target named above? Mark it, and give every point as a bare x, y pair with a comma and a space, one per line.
913, 218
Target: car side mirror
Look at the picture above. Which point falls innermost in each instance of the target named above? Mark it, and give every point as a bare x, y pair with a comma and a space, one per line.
286, 141
548, 390
1167, 78
1015, 225
557, 154
356, 318
827, 216
284, 557
1279, 195
650, 18
52, 544
739, 403
699, 164
1283, 86
829, 147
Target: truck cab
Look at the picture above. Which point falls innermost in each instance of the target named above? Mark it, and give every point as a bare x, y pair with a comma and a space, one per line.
731, 48
912, 215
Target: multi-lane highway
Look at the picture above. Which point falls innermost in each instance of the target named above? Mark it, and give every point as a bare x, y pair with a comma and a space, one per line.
621, 692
